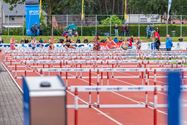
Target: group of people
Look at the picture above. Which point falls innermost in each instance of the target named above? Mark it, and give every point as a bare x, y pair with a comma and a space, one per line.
110, 43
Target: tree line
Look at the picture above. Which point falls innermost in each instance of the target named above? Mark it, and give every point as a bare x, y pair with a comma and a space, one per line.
111, 7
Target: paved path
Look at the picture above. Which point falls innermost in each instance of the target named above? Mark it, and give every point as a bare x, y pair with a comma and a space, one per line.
10, 101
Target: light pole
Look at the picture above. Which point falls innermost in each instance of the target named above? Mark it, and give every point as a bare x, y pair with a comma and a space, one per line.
40, 9
125, 10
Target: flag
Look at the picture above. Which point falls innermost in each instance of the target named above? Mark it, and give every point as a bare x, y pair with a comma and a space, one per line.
169, 8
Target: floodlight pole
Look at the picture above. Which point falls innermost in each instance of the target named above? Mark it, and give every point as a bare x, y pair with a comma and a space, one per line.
125, 9
40, 9
82, 13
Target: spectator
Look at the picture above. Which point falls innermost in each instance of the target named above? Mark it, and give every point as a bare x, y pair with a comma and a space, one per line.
85, 40
169, 43
125, 30
116, 30
148, 31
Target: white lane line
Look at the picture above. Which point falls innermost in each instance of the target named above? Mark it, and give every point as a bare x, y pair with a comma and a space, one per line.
101, 112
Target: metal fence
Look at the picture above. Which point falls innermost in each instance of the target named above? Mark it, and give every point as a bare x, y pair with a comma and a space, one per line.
176, 25
93, 24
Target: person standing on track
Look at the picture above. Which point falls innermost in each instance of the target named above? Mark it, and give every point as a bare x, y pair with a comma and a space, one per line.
169, 43
157, 43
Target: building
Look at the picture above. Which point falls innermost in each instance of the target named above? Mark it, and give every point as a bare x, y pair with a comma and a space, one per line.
13, 17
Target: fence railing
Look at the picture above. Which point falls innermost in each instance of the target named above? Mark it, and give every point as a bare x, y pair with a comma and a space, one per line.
93, 24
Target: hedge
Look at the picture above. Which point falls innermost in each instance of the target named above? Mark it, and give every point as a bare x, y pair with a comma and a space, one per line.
133, 30
102, 30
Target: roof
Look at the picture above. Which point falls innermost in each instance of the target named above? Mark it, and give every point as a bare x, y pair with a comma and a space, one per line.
18, 10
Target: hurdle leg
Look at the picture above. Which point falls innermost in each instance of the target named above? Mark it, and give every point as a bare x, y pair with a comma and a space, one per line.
155, 107
66, 78
101, 78
90, 83
98, 96
76, 107
108, 78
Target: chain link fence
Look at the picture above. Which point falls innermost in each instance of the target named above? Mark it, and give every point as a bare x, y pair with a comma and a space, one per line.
102, 25
91, 25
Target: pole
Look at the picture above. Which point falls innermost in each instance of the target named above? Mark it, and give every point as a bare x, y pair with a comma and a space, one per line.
82, 15
95, 25
40, 9
181, 28
125, 10
110, 26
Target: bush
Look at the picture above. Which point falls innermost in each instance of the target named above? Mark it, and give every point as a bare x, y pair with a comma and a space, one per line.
13, 31
101, 30
114, 20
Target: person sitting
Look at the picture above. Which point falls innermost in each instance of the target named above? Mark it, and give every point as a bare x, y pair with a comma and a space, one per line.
78, 41
33, 43
96, 45
41, 40
22, 41
111, 44
130, 40
12, 44
26, 40
124, 45
61, 41
68, 42
85, 40
51, 43
138, 43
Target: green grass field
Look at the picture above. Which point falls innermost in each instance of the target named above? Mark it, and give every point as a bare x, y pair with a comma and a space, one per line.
90, 38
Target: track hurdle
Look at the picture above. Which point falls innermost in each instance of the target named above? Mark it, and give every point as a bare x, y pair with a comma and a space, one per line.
82, 89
